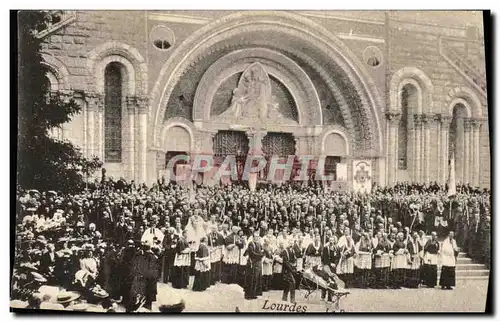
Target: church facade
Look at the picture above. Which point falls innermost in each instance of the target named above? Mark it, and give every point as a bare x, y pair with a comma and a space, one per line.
403, 92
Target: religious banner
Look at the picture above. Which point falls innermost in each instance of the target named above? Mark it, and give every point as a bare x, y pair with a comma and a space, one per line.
362, 176
341, 171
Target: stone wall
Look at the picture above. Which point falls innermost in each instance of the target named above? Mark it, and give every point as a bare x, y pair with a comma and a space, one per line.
401, 44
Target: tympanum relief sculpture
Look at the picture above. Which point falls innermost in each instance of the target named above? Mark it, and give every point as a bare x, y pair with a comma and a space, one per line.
253, 100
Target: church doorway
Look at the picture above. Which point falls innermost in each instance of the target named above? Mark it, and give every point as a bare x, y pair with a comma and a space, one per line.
231, 143
280, 145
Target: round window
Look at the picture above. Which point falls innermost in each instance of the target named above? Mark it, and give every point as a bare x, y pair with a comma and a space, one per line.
372, 56
162, 37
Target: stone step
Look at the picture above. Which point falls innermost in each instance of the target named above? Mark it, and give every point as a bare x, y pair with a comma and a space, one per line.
479, 272
471, 266
464, 260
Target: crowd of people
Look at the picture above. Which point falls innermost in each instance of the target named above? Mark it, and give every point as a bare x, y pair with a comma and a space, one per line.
113, 242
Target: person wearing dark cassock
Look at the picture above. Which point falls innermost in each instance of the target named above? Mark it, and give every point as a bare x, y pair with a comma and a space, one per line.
430, 261
416, 254
345, 267
242, 260
440, 219
329, 260
169, 246
363, 261
313, 253
48, 261
182, 263
125, 272
399, 262
289, 269
233, 245
382, 260
267, 266
215, 244
145, 272
253, 272
202, 267
449, 252
108, 278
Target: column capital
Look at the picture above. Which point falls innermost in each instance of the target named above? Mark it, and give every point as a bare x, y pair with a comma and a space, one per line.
418, 119
140, 102
477, 122
65, 95
393, 116
468, 124
94, 100
445, 119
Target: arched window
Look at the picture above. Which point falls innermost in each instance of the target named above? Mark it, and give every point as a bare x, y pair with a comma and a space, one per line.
113, 92
457, 139
409, 104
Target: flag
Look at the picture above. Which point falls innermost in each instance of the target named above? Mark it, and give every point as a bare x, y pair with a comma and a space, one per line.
452, 186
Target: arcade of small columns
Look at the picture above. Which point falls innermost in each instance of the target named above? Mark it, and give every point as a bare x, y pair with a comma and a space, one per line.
420, 144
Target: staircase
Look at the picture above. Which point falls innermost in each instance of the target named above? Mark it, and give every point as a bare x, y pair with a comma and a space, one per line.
466, 269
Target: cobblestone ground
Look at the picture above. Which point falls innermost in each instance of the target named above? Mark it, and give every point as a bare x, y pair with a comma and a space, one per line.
468, 296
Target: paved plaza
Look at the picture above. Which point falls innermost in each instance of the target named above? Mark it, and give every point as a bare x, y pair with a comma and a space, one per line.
468, 296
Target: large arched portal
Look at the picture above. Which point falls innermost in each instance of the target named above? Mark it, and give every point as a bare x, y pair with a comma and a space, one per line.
233, 75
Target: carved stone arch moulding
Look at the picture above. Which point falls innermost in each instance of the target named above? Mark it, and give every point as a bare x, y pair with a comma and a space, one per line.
59, 70
416, 77
161, 144
335, 129
129, 57
277, 65
293, 25
472, 102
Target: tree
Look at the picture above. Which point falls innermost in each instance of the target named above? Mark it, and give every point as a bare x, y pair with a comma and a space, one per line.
43, 162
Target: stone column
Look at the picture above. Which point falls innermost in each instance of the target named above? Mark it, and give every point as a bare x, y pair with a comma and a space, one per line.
142, 115
100, 131
427, 123
476, 124
94, 101
467, 150
393, 118
255, 141
445, 131
131, 108
417, 122
85, 125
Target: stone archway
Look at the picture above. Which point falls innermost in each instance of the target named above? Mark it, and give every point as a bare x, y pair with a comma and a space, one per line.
300, 30
278, 65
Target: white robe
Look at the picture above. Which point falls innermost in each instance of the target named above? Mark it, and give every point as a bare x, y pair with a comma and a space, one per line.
149, 234
448, 253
